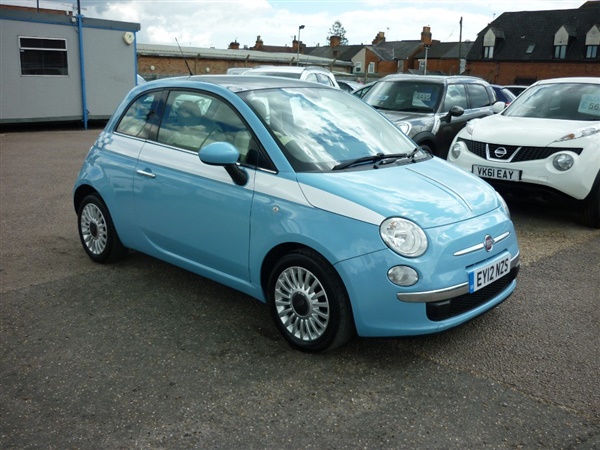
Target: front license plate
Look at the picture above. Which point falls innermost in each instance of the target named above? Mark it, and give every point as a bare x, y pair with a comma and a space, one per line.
497, 173
489, 273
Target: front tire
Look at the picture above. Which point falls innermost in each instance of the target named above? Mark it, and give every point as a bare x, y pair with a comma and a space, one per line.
97, 232
590, 210
309, 303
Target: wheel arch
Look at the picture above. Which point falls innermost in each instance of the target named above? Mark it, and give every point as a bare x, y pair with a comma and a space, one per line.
427, 139
81, 192
273, 256
278, 252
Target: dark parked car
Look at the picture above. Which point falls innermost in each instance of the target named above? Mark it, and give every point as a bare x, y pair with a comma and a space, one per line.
503, 94
431, 109
516, 88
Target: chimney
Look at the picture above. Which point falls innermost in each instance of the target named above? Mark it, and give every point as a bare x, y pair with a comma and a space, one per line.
334, 41
426, 36
379, 38
259, 43
235, 45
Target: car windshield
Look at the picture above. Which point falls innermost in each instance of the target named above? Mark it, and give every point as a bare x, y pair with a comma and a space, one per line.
406, 96
321, 128
566, 101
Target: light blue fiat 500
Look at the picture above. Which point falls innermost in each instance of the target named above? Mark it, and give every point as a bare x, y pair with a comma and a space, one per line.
301, 196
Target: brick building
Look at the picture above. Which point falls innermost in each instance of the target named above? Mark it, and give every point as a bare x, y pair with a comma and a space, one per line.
160, 61
523, 47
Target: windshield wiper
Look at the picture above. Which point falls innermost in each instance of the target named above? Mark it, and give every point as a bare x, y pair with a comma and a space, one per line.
379, 157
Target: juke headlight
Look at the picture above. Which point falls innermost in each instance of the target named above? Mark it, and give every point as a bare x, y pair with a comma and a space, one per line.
403, 236
581, 132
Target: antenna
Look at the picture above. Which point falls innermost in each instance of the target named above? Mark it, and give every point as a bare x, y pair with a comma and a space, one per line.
184, 60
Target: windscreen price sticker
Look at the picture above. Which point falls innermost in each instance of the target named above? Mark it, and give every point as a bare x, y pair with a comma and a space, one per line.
590, 104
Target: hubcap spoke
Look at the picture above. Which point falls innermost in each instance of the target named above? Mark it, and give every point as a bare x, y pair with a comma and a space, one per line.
302, 303
94, 229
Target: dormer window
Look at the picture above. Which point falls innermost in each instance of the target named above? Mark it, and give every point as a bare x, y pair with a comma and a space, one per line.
490, 42
592, 42
560, 51
563, 37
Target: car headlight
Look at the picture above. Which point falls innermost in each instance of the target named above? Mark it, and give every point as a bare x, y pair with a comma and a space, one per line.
403, 236
404, 127
503, 204
562, 162
581, 132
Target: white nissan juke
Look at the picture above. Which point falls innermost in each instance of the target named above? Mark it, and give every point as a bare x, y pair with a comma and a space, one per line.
546, 142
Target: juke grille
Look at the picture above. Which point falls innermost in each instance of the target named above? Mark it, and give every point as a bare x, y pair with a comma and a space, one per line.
518, 154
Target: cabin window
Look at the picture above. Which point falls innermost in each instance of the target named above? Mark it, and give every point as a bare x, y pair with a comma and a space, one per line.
43, 56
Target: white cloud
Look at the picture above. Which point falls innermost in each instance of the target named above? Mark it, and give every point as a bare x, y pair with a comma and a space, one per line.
211, 23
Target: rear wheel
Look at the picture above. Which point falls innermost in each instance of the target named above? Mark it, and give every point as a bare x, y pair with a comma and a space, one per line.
309, 303
97, 232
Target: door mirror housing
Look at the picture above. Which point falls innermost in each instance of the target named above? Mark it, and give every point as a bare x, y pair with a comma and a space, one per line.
226, 155
455, 111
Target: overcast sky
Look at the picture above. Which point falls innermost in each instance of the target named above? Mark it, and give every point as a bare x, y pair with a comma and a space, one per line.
204, 23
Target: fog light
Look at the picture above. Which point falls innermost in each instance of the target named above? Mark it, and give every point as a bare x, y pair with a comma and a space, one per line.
562, 162
403, 275
456, 149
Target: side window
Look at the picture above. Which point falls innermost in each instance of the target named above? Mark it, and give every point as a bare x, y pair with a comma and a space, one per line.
43, 56
478, 96
455, 96
137, 118
312, 77
324, 79
193, 120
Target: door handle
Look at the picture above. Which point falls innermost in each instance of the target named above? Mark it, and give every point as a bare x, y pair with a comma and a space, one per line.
146, 173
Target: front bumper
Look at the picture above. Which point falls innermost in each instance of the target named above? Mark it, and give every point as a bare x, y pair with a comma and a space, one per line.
537, 168
440, 299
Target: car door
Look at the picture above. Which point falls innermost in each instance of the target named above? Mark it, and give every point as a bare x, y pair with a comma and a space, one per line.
190, 213
455, 95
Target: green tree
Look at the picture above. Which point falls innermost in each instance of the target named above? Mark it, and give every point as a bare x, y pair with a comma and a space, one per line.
337, 30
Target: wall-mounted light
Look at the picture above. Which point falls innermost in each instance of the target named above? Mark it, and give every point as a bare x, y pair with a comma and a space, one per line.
128, 37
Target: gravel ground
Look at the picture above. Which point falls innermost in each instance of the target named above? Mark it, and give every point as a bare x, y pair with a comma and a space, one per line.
142, 354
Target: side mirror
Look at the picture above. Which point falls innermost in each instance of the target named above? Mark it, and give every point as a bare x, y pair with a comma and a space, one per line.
455, 111
498, 107
226, 155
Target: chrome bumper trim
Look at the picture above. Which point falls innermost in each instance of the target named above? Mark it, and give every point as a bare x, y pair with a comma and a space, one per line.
446, 293
480, 246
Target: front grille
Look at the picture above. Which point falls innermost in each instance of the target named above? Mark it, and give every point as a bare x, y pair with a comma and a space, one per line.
446, 309
518, 154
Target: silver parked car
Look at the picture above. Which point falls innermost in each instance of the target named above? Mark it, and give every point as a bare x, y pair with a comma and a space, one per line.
310, 73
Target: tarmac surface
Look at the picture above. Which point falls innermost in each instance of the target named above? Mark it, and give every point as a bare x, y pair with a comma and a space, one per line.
141, 354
